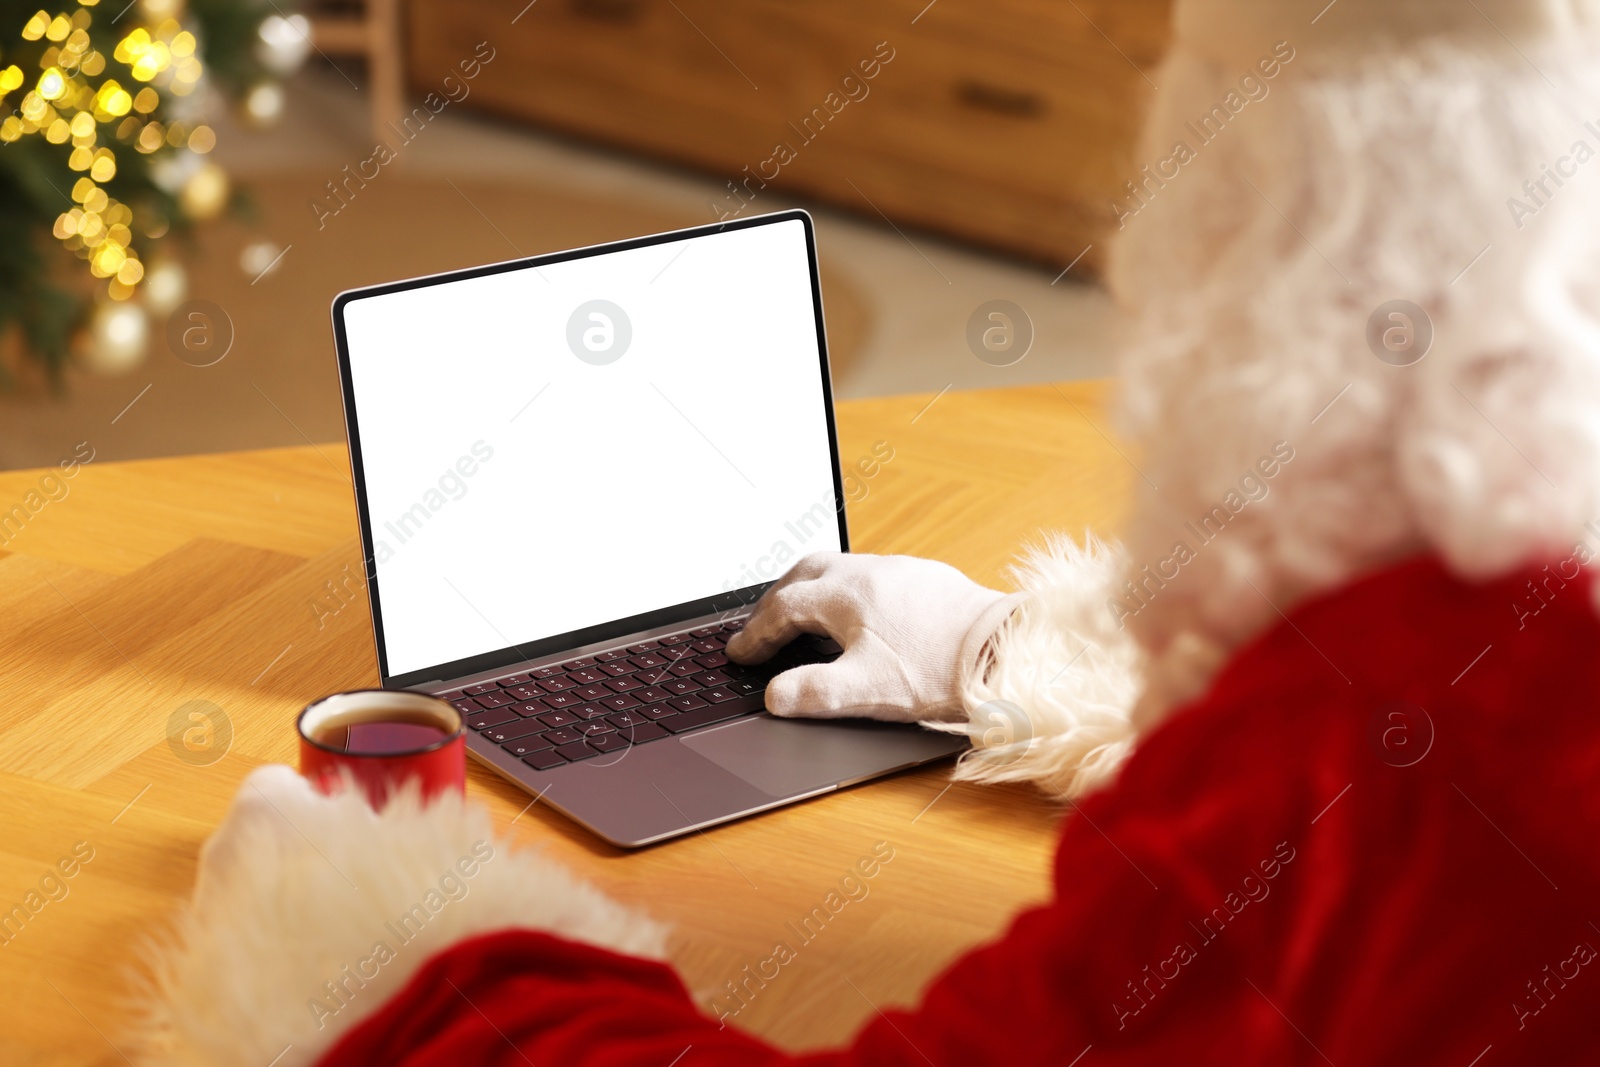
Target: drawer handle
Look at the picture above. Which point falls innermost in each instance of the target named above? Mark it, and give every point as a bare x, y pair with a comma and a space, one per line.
609, 10
1013, 103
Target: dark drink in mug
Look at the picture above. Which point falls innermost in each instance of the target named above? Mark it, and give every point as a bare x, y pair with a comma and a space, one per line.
383, 739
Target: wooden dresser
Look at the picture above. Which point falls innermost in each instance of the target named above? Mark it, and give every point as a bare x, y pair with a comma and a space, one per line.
1009, 123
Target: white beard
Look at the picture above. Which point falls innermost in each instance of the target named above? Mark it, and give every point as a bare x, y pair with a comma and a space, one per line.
1366, 174
1392, 174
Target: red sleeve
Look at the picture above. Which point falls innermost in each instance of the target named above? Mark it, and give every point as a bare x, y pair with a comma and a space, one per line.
1065, 977
1263, 885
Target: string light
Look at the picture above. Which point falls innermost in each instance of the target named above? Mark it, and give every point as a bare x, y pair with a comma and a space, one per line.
107, 95
53, 84
64, 106
263, 104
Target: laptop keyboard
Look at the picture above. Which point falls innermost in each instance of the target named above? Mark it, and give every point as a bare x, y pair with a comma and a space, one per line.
621, 697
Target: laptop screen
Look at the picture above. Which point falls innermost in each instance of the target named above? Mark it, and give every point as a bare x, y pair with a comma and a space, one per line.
546, 448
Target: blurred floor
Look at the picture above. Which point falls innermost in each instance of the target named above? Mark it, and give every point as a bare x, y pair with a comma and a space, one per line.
470, 190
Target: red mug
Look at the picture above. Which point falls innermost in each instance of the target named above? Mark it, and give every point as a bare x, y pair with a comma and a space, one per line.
383, 738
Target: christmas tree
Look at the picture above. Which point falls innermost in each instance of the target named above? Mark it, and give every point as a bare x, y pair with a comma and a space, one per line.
103, 146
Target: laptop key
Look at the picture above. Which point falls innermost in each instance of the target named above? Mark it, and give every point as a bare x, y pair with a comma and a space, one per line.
712, 659
588, 676
524, 746
623, 684
555, 685
564, 736
575, 664
733, 626
684, 667
680, 686
610, 743
493, 700
711, 678
675, 639
560, 700
558, 718
544, 760
513, 730
706, 644
618, 702
716, 696
515, 679
466, 705
686, 703
704, 631
649, 731
493, 717
623, 739
480, 689
619, 667
528, 707
591, 692
589, 710
651, 694
657, 711
649, 659
577, 750
746, 686
547, 672
642, 646
523, 692
677, 652
624, 719
732, 709
598, 726
613, 654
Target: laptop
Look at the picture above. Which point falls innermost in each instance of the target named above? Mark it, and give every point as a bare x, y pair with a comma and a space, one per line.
575, 475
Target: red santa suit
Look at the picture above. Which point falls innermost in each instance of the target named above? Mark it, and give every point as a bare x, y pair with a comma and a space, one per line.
1330, 735
1371, 842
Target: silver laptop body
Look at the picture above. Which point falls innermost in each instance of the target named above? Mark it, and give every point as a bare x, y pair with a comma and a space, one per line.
575, 474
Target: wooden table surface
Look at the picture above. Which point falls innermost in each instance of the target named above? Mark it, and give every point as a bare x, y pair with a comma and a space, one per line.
150, 585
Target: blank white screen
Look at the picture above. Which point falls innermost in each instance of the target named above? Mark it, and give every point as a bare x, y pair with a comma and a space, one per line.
517, 492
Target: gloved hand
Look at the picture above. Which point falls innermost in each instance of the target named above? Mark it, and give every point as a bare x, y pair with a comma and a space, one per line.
909, 627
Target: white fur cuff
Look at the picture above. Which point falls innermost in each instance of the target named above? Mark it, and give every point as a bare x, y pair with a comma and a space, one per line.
310, 912
1055, 702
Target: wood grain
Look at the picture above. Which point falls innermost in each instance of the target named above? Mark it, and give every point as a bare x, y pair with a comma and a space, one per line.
156, 583
1011, 123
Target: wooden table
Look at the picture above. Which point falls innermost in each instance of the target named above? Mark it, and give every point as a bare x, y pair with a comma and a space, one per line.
156, 583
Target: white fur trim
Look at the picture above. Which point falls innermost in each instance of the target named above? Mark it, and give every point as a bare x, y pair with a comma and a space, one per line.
1233, 31
1358, 174
1361, 179
1054, 705
294, 887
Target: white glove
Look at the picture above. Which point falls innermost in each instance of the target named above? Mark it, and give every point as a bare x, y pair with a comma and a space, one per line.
910, 628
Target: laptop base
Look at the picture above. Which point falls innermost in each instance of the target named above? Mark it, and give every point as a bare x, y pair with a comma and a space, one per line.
651, 793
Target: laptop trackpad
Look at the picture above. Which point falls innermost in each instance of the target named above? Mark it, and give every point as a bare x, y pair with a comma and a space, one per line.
790, 757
